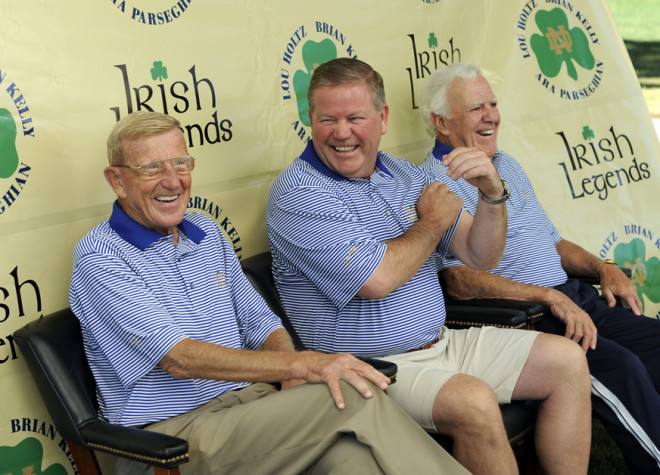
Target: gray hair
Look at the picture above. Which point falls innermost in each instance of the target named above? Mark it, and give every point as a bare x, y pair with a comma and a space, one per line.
137, 125
434, 98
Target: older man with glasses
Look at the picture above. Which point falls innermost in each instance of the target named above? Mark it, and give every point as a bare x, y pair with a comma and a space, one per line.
180, 343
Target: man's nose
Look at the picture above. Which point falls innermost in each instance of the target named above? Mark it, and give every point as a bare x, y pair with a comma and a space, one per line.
342, 130
169, 176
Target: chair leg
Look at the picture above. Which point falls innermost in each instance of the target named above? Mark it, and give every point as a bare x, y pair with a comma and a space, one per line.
166, 471
85, 459
530, 461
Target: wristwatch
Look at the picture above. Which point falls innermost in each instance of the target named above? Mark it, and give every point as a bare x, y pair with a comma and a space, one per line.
496, 201
604, 261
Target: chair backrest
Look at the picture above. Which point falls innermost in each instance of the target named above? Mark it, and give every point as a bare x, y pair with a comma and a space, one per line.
258, 271
53, 349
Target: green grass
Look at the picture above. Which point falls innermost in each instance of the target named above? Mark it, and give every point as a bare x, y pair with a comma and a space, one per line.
637, 22
606, 458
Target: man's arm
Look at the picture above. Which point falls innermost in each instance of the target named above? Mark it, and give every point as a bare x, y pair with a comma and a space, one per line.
478, 242
437, 210
274, 361
464, 283
613, 282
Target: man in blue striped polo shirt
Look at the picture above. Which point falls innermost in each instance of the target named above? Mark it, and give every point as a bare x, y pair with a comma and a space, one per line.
461, 109
179, 342
355, 236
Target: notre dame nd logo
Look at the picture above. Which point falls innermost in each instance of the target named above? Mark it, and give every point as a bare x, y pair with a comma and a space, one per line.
637, 248
562, 41
308, 47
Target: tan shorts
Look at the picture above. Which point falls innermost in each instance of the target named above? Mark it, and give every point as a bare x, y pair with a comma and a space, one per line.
494, 355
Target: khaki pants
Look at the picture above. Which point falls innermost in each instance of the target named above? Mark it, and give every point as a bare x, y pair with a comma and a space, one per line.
300, 430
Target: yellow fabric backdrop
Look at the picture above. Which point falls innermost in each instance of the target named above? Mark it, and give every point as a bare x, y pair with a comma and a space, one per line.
230, 71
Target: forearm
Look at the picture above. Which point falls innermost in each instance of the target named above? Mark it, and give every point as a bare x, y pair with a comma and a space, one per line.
487, 236
464, 283
275, 361
403, 258
575, 260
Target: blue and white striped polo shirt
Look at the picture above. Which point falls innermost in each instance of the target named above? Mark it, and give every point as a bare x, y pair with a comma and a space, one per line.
136, 295
327, 234
530, 255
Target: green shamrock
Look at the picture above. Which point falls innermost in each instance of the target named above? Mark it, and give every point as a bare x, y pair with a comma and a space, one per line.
558, 44
26, 458
433, 41
158, 72
8, 152
314, 54
587, 133
645, 274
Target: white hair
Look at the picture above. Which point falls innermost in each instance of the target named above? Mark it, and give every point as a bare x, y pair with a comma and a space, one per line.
433, 98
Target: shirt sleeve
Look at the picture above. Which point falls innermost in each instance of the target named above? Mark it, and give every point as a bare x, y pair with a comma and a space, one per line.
324, 240
128, 325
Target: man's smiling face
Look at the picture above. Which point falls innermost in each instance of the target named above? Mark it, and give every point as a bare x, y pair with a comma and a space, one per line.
346, 128
475, 118
159, 203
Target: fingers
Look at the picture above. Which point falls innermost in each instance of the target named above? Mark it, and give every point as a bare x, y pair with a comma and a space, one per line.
475, 167
625, 290
335, 391
583, 332
332, 368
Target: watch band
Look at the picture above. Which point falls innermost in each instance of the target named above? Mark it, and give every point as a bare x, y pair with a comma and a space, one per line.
496, 201
604, 261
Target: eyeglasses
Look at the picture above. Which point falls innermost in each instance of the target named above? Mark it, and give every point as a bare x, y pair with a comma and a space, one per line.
181, 165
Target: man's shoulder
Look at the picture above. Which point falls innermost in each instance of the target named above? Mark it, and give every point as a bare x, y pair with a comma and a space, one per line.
200, 220
100, 237
297, 175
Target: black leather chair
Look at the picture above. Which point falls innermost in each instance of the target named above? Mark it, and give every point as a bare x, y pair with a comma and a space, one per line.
53, 350
519, 416
502, 313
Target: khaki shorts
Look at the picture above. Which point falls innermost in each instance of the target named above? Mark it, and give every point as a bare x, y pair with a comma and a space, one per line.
494, 355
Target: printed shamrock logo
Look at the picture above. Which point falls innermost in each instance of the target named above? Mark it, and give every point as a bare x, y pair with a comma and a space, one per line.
26, 459
587, 133
645, 274
314, 54
158, 72
8, 152
558, 44
433, 41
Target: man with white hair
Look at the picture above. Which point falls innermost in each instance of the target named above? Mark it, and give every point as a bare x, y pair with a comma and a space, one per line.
622, 346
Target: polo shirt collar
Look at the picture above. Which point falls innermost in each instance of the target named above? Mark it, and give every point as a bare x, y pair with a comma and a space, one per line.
440, 149
310, 156
141, 236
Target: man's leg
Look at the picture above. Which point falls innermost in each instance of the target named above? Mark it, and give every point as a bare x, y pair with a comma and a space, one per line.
467, 410
625, 369
556, 373
256, 430
455, 388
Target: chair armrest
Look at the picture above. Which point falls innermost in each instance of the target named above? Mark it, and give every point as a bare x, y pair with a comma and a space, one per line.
388, 368
464, 316
533, 310
134, 443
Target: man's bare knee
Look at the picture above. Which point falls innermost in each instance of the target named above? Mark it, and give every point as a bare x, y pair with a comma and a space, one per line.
466, 404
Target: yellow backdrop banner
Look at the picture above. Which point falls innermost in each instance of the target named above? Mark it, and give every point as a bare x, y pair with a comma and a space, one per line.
235, 74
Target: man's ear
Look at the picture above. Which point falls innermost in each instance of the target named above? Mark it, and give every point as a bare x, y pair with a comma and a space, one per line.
440, 124
113, 177
384, 114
